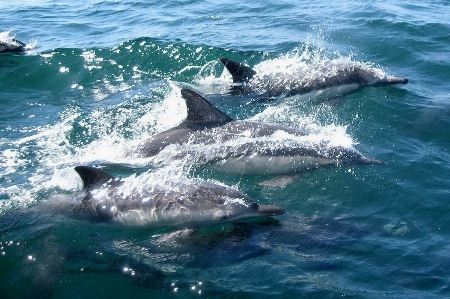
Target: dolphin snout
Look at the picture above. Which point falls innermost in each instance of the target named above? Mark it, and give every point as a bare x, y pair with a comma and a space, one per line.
390, 80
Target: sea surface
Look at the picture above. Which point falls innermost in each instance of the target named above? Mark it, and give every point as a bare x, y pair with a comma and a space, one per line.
101, 76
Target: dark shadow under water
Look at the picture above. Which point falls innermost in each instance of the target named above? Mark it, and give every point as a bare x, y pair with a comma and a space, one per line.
44, 254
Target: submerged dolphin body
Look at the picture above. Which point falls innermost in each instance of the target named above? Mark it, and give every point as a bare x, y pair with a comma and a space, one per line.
108, 199
13, 46
335, 80
210, 137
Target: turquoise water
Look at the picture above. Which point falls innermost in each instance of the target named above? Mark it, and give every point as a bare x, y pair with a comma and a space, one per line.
102, 76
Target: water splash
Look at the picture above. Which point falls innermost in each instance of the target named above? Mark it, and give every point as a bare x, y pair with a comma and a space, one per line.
8, 39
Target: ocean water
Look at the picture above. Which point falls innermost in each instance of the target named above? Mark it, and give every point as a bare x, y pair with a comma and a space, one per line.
101, 76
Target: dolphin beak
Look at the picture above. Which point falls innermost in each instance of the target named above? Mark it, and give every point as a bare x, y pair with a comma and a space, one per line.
390, 80
264, 210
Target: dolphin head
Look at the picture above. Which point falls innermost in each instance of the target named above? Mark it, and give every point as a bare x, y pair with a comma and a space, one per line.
234, 205
375, 77
209, 203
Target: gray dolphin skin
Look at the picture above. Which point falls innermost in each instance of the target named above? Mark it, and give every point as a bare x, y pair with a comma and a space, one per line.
210, 137
12, 45
199, 203
343, 80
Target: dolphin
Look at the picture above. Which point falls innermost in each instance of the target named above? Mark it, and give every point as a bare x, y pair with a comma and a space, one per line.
210, 137
108, 199
9, 44
333, 80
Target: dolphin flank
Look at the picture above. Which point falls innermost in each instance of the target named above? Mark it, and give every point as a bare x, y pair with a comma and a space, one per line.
108, 199
336, 79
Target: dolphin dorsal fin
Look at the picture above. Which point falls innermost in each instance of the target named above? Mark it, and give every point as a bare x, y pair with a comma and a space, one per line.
201, 112
92, 176
240, 72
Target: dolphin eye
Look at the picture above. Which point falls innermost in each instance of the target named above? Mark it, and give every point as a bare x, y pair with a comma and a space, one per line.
224, 217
